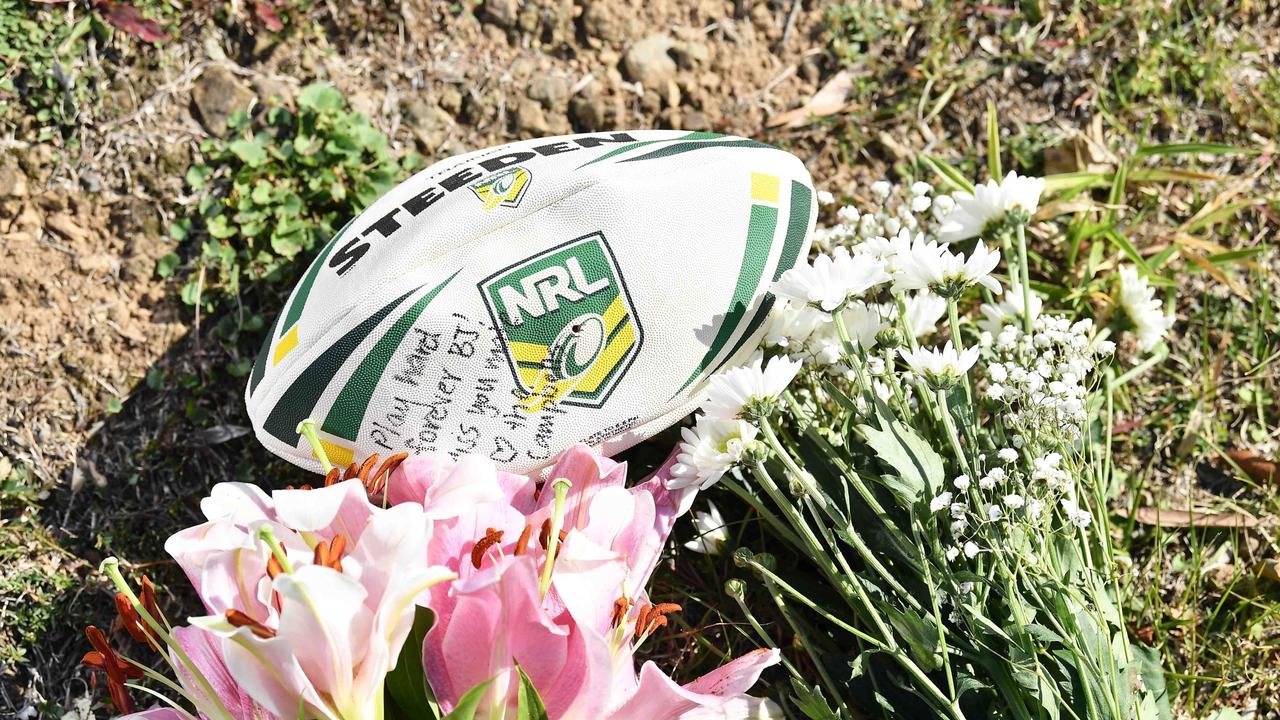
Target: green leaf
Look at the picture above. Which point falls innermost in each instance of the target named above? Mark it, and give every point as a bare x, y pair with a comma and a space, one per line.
919, 634
530, 705
948, 173
918, 466
809, 700
408, 694
155, 378
1194, 149
249, 152
320, 97
469, 702
166, 265
1152, 674
240, 368
197, 175
993, 142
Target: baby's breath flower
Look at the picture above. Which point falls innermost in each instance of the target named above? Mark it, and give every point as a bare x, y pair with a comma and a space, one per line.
971, 550
961, 482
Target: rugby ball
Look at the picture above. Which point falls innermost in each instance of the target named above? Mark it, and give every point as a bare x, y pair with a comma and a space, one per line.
515, 300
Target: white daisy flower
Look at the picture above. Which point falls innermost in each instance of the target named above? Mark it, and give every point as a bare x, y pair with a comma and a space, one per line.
831, 280
863, 323
992, 204
924, 310
710, 449
712, 534
1146, 313
791, 324
930, 266
996, 315
941, 368
748, 389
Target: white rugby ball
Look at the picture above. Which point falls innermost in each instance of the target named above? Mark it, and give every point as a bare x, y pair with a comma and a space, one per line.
515, 300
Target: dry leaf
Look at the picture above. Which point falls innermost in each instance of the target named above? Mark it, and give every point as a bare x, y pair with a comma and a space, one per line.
829, 100
266, 12
1182, 518
1269, 569
1255, 466
129, 19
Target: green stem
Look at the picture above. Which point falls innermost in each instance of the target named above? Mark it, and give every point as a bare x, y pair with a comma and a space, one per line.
1024, 269
815, 494
952, 436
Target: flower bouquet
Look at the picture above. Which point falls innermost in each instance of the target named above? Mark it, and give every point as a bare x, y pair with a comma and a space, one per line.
926, 450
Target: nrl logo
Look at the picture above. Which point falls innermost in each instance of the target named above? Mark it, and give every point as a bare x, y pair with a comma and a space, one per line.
505, 189
567, 323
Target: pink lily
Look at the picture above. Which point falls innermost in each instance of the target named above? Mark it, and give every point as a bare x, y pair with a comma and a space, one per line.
575, 636
311, 593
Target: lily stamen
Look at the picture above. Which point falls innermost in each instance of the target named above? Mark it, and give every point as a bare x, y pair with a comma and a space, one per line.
621, 607
329, 554
118, 672
653, 617
132, 620
240, 619
332, 477
491, 537
522, 545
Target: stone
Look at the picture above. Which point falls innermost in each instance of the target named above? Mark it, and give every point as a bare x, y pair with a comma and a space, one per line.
649, 62
690, 54
451, 99
552, 92
530, 120
273, 91
13, 182
502, 13
587, 112
217, 94
696, 120
66, 226
430, 125
606, 21
98, 262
